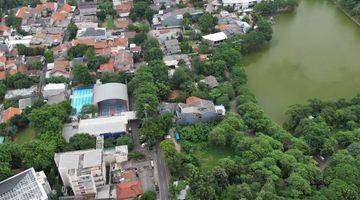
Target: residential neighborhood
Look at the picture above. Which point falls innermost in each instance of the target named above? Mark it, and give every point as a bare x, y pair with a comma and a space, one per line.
151, 100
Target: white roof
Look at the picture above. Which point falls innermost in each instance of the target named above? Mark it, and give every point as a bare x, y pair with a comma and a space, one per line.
92, 158
234, 1
215, 37
98, 126
69, 161
55, 86
110, 91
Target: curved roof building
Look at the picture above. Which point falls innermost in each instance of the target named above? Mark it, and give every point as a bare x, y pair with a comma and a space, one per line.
116, 91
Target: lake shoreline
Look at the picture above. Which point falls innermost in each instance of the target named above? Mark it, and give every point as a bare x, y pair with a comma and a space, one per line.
346, 12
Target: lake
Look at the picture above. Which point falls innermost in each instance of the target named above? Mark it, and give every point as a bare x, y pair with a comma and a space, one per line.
314, 53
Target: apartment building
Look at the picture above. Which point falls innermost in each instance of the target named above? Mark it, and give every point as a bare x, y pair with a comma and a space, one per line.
26, 185
84, 171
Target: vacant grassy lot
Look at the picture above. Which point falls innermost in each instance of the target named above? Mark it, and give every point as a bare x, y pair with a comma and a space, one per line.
209, 155
25, 135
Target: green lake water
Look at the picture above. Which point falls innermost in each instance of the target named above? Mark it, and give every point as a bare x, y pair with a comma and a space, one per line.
314, 53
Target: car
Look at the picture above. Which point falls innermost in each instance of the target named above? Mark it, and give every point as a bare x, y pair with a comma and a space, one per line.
152, 163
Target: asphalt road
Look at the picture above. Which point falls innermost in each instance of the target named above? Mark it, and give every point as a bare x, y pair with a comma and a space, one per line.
163, 175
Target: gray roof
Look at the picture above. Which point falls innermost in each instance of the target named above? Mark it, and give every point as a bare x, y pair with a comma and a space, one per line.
92, 32
22, 186
26, 102
110, 91
172, 46
210, 81
78, 159
199, 107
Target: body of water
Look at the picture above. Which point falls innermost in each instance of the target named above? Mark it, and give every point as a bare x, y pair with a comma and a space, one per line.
314, 53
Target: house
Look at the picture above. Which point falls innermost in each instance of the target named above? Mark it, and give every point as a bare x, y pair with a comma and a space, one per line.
124, 8
9, 113
55, 92
61, 68
215, 38
210, 81
123, 60
25, 185
107, 67
197, 110
84, 171
122, 23
130, 190
87, 8
240, 4
172, 61
25, 103
171, 47
165, 34
21, 93
92, 33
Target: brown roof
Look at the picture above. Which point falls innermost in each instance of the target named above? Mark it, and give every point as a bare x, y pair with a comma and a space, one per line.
22, 12
128, 190
86, 41
128, 175
122, 23
124, 7
58, 16
130, 34
50, 5
2, 75
223, 27
61, 64
100, 45
4, 28
10, 112
66, 8
174, 94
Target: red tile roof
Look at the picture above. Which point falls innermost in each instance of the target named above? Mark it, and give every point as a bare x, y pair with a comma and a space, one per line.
192, 99
107, 67
128, 190
10, 112
22, 12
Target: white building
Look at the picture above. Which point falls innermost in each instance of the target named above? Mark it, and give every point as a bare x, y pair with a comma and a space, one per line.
84, 171
52, 89
240, 4
215, 38
26, 185
103, 125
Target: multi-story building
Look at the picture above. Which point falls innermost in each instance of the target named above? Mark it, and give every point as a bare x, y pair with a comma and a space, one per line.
26, 185
84, 171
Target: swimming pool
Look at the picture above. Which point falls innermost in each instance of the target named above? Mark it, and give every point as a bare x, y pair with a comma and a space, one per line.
80, 97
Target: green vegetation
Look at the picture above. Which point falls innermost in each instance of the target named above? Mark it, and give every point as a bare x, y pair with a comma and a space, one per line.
81, 141
352, 6
110, 24
82, 75
209, 156
148, 195
19, 81
272, 7
25, 135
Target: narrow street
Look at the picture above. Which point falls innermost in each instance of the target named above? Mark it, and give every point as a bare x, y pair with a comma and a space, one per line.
162, 172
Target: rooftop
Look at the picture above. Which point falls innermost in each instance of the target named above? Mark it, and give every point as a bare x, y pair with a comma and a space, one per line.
128, 190
215, 37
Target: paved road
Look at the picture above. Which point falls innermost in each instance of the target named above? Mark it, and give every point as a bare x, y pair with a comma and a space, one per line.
162, 172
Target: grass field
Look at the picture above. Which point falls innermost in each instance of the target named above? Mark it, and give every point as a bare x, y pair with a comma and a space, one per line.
25, 135
110, 23
208, 155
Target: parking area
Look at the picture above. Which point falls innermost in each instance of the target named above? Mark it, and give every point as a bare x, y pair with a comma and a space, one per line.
145, 172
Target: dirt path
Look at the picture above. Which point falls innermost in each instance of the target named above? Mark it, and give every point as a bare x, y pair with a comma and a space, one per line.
233, 106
